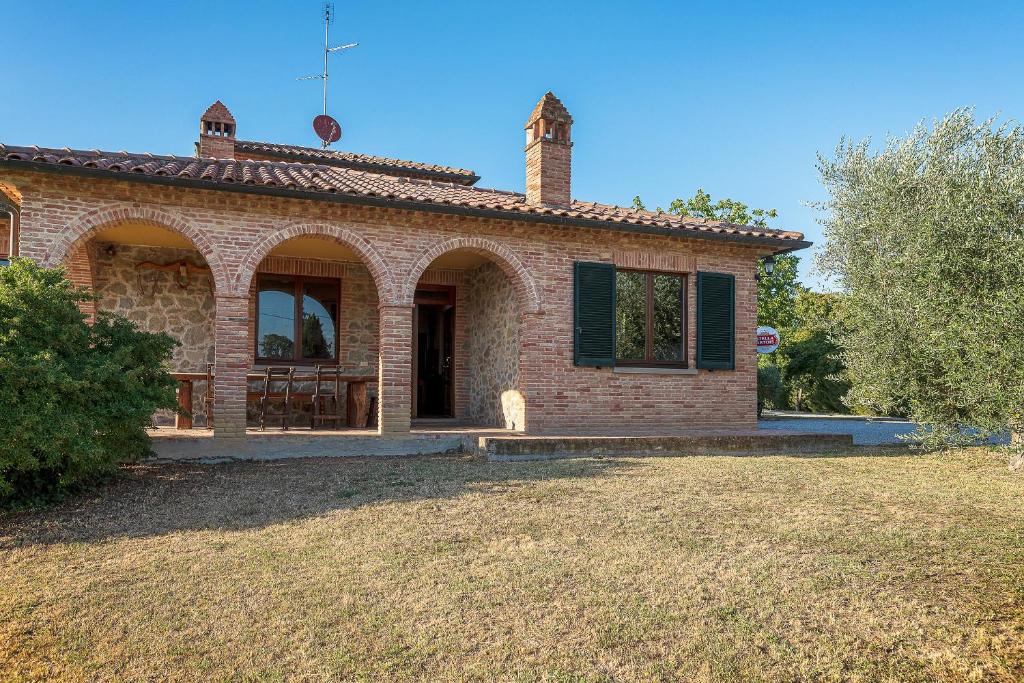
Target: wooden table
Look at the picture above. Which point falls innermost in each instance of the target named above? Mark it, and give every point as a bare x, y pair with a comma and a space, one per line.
356, 401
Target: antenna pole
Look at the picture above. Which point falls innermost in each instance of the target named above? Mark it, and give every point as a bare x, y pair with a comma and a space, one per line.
327, 50
328, 16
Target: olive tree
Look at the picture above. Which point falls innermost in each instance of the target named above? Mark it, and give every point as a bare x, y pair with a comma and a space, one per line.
925, 234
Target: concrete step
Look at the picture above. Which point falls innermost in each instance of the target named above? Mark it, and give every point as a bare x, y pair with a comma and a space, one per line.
519, 448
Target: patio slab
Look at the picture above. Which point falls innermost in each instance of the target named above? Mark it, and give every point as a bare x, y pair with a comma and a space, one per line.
497, 445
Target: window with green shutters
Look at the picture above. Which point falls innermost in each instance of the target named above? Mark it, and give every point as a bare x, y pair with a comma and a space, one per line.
716, 321
628, 317
594, 314
650, 319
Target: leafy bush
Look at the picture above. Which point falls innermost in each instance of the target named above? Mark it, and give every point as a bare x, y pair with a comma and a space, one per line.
771, 392
75, 398
815, 374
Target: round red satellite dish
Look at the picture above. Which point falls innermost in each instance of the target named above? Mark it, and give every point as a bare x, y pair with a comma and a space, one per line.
327, 129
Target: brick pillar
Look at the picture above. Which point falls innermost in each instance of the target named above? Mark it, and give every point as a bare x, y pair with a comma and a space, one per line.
78, 268
231, 363
395, 382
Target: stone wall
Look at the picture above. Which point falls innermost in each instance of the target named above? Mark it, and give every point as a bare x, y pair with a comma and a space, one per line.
491, 348
155, 301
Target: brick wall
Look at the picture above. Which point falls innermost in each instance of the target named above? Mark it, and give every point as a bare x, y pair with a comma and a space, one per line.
79, 265
235, 231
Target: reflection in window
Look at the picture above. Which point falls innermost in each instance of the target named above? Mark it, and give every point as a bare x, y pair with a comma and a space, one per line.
630, 315
650, 318
319, 316
281, 301
275, 324
668, 318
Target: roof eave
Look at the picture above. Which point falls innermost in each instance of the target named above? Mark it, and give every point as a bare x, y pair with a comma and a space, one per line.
783, 245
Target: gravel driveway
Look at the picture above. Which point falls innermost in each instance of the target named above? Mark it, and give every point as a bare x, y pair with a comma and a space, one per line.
874, 431
866, 432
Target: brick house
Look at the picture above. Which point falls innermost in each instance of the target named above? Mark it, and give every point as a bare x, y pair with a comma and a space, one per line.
523, 311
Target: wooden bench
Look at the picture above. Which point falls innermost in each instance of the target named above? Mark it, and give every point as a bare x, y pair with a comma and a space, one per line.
357, 403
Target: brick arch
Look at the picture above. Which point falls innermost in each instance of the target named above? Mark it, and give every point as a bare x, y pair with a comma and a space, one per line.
85, 226
10, 194
522, 281
369, 255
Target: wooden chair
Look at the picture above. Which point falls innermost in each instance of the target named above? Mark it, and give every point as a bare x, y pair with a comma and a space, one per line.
208, 397
327, 404
272, 395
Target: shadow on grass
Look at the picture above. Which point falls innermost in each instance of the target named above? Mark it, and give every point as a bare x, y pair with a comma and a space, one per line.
153, 500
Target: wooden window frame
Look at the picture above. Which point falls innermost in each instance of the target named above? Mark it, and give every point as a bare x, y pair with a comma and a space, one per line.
297, 296
684, 300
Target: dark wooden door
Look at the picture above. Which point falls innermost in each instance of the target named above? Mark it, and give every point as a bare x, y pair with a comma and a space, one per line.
434, 346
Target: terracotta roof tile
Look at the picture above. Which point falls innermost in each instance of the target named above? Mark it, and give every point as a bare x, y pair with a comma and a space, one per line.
320, 179
365, 162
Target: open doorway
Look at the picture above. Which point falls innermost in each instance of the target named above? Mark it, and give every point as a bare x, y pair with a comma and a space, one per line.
434, 343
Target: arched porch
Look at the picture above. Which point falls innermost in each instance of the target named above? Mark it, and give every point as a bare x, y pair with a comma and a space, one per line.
146, 267
469, 300
313, 295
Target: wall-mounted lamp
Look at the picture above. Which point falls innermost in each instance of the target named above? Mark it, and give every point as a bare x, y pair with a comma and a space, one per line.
769, 267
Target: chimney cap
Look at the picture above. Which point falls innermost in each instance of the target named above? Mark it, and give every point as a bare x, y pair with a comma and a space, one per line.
218, 113
550, 108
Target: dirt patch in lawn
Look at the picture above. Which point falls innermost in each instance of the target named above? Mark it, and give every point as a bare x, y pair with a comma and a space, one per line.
866, 567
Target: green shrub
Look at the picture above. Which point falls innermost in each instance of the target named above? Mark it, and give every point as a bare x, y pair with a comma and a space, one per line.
75, 399
771, 392
815, 375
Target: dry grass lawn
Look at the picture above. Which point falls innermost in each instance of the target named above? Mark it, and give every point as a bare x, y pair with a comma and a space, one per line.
885, 566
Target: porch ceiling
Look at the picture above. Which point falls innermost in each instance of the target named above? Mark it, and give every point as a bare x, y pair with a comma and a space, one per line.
316, 248
142, 234
460, 259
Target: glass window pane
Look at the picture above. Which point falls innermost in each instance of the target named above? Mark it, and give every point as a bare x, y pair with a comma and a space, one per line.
668, 318
319, 319
275, 327
630, 315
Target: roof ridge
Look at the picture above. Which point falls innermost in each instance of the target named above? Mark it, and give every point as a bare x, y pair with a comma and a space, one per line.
355, 157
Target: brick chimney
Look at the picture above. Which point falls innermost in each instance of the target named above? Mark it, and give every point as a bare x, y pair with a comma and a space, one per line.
216, 133
548, 153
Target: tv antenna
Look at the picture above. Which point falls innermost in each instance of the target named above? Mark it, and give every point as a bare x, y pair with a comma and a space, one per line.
328, 14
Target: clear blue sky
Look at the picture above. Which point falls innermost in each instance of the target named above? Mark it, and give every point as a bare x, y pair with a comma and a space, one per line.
736, 98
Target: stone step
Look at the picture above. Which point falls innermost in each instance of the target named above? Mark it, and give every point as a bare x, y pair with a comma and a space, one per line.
520, 448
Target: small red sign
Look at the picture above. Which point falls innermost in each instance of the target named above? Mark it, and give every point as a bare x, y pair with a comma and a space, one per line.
767, 339
326, 128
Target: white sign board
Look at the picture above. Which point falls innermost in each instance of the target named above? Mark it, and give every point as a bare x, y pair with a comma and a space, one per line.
767, 339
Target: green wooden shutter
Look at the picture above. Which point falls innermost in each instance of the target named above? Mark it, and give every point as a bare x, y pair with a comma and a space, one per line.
716, 321
594, 314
